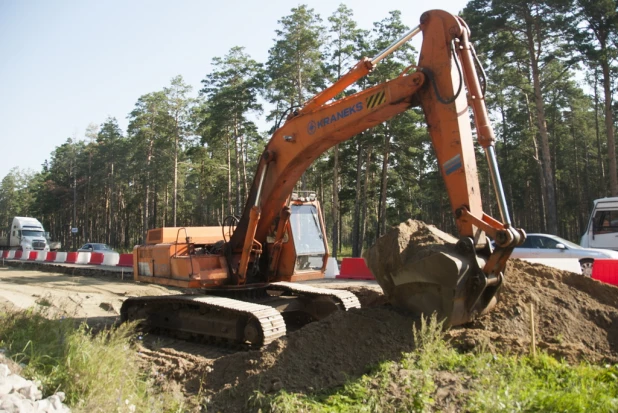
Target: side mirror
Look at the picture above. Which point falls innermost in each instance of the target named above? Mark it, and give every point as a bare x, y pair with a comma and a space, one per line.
561, 246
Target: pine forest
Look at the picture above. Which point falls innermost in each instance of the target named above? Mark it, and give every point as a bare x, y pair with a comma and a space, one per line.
189, 152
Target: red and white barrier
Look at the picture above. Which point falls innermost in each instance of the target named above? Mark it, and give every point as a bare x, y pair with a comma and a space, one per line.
71, 257
96, 258
355, 269
126, 260
61, 257
83, 258
25, 256
111, 259
605, 271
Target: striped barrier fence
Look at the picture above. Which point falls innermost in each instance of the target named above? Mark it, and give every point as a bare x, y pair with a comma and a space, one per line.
83, 257
96, 258
605, 271
111, 259
61, 257
71, 258
125, 260
87, 258
355, 269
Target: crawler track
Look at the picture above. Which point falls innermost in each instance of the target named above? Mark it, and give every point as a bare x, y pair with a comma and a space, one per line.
251, 322
344, 298
230, 321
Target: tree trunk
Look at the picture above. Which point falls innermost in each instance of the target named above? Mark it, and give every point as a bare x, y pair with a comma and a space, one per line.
146, 190
597, 128
175, 189
609, 130
229, 176
548, 175
542, 194
243, 156
237, 162
335, 206
383, 180
364, 197
357, 202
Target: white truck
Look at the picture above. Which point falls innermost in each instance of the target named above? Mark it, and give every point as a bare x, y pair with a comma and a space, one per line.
602, 229
26, 234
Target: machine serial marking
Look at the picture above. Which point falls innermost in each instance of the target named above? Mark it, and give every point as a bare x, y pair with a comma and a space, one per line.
313, 125
376, 99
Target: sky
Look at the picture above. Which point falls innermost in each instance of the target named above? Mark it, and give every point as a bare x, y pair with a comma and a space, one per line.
67, 64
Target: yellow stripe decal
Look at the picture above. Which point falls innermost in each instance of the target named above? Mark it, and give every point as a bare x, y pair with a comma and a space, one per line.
376, 99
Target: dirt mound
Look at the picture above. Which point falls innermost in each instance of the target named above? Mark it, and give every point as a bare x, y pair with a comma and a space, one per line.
321, 355
576, 317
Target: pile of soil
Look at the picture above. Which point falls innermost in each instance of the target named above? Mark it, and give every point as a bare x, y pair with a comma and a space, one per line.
575, 318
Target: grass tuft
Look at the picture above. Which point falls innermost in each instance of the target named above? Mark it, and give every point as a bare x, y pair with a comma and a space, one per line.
98, 372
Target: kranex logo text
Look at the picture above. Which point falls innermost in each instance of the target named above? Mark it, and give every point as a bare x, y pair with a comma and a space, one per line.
313, 125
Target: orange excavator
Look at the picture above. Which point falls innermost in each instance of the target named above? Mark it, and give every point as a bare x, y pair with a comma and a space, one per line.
245, 273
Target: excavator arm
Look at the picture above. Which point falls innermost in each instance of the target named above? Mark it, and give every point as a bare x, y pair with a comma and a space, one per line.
445, 83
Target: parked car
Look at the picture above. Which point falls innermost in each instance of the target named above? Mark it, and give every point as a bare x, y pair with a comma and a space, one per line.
551, 246
95, 247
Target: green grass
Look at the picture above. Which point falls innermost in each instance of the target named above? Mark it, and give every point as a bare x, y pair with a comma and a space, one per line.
98, 372
493, 383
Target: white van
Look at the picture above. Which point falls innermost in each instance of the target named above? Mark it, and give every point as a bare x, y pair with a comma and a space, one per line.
26, 234
602, 229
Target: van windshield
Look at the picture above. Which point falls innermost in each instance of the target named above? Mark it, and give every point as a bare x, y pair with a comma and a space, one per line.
31, 233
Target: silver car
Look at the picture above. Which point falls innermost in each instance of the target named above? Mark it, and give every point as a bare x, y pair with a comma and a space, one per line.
95, 247
551, 246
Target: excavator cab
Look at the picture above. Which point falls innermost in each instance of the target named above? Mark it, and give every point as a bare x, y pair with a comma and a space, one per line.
297, 246
308, 234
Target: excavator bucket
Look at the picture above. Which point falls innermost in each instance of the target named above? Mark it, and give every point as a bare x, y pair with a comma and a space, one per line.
422, 270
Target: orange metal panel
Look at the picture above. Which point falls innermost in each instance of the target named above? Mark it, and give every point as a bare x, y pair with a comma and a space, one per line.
198, 235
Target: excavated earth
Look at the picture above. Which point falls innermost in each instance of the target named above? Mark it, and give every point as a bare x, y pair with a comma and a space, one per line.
576, 319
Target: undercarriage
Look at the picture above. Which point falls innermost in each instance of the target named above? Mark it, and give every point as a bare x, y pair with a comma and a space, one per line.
243, 317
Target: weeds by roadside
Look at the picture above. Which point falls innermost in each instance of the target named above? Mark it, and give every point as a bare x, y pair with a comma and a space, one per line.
98, 372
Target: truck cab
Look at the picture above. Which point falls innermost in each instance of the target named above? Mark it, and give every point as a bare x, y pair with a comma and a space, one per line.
602, 228
26, 234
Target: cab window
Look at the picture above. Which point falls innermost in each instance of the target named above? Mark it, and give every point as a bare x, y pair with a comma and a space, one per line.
605, 222
548, 242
